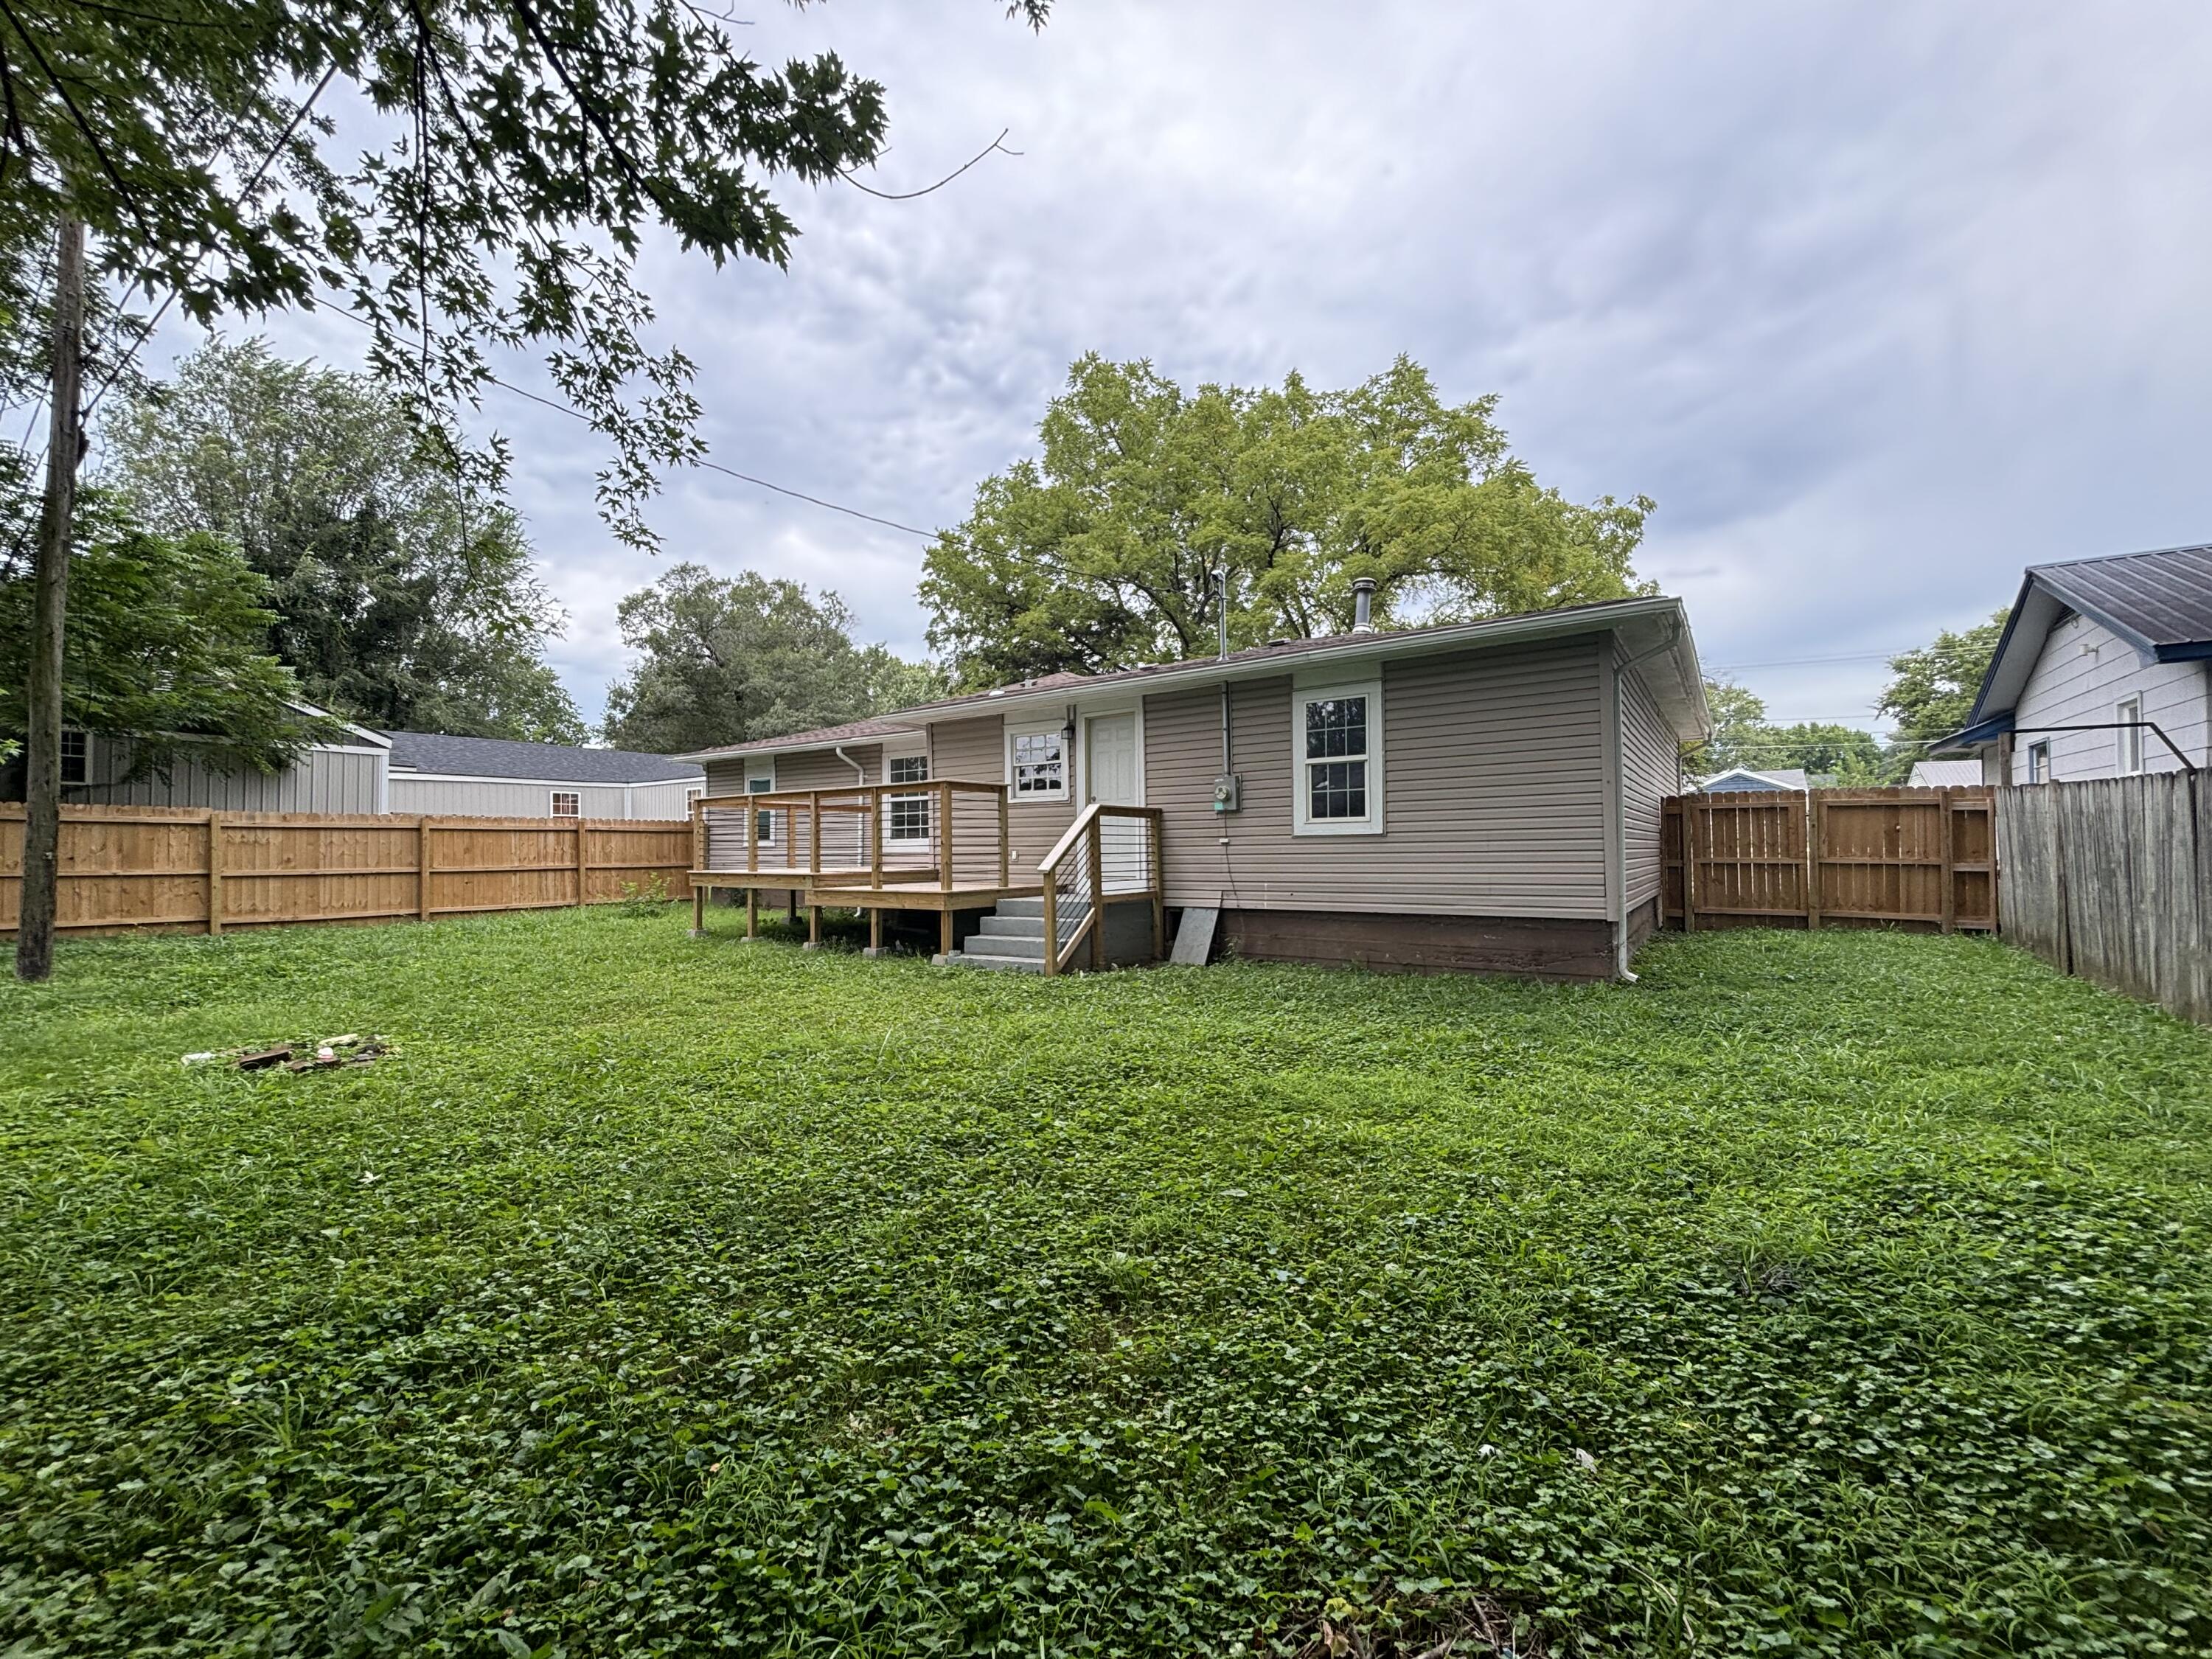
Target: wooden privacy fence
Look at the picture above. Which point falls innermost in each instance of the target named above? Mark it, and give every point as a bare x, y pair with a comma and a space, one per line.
1922, 859
126, 867
2111, 879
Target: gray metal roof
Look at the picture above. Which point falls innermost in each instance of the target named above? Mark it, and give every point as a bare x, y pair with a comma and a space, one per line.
540, 763
2160, 602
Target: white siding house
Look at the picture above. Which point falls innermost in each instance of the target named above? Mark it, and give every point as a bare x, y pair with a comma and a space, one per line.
497, 777
2105, 669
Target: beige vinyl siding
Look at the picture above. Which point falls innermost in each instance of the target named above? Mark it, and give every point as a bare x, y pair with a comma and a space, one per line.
2082, 673
1493, 792
1648, 776
321, 781
974, 751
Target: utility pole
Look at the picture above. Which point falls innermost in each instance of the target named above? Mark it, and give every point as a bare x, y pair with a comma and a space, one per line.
42, 792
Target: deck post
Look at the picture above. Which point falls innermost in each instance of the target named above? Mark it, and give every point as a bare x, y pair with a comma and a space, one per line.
1003, 853
944, 847
1097, 896
876, 839
1158, 886
753, 841
752, 913
791, 905
1052, 921
875, 930
944, 927
698, 835
814, 833
813, 926
698, 911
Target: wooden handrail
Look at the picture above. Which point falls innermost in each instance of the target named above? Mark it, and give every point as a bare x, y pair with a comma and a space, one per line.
1097, 809
1085, 833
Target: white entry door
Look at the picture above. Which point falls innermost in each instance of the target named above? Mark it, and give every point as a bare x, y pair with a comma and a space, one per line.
1115, 777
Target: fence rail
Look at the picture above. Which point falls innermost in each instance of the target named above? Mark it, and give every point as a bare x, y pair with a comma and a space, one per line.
124, 868
2111, 878
1922, 859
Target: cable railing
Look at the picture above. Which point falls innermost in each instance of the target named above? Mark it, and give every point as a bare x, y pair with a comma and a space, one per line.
862, 835
1110, 856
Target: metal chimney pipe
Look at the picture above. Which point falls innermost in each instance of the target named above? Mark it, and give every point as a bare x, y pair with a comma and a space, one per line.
1221, 608
1362, 601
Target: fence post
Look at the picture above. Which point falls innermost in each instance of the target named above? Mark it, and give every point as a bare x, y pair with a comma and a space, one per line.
422, 867
215, 872
1816, 848
583, 868
1690, 814
1948, 903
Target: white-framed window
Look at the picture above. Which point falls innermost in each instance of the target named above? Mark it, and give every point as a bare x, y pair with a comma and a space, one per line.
2038, 761
759, 780
76, 757
1337, 752
568, 804
691, 795
906, 817
1038, 764
2128, 713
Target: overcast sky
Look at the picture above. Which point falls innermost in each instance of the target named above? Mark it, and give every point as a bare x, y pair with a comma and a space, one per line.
1880, 301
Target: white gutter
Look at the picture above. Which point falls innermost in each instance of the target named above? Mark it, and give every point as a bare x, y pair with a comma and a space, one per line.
860, 772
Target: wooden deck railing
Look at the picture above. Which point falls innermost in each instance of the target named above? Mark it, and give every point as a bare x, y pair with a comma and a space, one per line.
1110, 856
837, 837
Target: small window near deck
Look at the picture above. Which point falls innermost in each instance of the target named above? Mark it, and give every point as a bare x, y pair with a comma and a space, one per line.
1040, 765
1339, 761
906, 817
568, 804
2129, 714
2038, 763
764, 821
76, 757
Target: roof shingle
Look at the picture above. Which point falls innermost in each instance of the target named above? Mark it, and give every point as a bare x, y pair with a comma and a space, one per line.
549, 763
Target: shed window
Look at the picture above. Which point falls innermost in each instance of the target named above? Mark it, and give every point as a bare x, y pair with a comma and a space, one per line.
2038, 761
906, 817
76, 757
2129, 713
1338, 746
568, 804
1039, 764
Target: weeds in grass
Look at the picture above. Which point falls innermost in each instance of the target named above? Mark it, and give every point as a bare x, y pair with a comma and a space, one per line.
1831, 1294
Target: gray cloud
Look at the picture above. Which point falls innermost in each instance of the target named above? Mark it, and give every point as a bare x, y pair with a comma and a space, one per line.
1880, 301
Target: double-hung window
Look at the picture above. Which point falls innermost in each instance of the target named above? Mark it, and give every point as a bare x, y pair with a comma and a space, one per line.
568, 804
2128, 714
1337, 735
2038, 761
76, 757
906, 817
1036, 764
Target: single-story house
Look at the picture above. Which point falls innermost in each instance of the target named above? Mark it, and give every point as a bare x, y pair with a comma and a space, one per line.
498, 777
1945, 774
367, 772
1740, 779
1477, 795
2104, 669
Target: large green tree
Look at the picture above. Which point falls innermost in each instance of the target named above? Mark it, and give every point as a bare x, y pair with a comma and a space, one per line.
165, 652
1743, 735
1097, 553
403, 595
501, 165
1932, 690
729, 659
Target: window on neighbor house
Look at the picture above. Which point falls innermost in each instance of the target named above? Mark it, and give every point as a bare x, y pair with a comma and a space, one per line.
2128, 713
76, 757
906, 817
1340, 743
1038, 764
763, 783
568, 804
2038, 763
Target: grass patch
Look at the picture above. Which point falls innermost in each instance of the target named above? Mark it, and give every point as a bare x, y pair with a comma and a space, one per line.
1839, 1294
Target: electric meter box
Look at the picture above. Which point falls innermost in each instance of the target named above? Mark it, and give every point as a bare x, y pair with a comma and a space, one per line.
1225, 792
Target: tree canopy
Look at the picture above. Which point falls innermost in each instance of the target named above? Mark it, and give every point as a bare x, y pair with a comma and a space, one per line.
1743, 735
402, 596
165, 649
731, 659
1932, 690
1095, 553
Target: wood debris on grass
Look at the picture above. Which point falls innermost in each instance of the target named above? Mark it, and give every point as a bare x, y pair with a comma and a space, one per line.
304, 1056
1421, 1629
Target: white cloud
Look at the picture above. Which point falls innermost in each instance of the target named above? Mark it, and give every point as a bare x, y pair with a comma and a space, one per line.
1880, 301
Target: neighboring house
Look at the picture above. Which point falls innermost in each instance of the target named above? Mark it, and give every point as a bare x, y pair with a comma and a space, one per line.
1945, 774
1738, 778
1480, 795
497, 777
410, 772
344, 777
2095, 652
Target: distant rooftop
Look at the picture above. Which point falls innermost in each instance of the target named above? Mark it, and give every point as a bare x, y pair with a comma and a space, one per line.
539, 763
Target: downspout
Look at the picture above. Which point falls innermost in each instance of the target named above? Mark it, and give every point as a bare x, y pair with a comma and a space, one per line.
860, 772
1620, 805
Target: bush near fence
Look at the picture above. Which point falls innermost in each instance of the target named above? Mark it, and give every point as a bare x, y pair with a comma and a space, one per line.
129, 868
2111, 878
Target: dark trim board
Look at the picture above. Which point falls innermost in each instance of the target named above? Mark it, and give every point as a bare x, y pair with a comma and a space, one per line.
1533, 947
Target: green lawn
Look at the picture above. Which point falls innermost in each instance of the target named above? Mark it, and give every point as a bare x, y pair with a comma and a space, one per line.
1847, 1293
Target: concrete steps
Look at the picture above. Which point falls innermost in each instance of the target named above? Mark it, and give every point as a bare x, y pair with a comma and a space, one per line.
1012, 938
